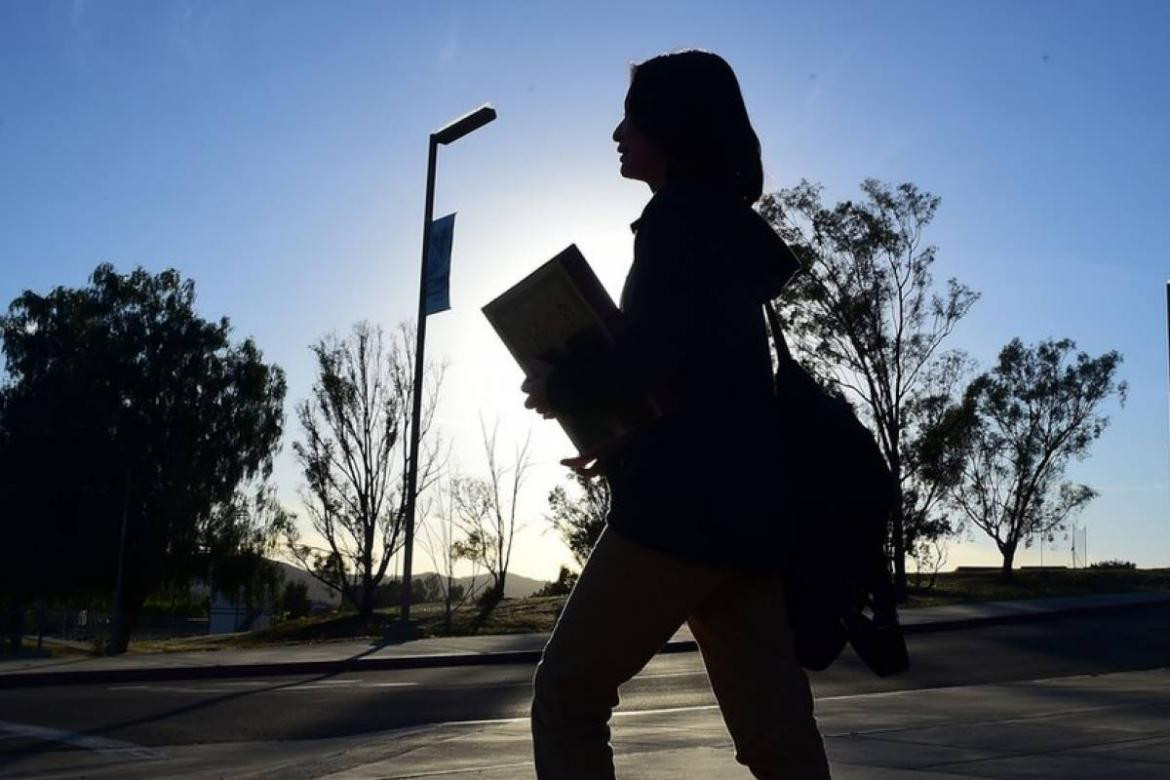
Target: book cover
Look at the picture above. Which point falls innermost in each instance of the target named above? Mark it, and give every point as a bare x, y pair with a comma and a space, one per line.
560, 313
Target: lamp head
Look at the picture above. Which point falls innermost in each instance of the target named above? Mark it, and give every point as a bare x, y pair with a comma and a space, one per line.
465, 124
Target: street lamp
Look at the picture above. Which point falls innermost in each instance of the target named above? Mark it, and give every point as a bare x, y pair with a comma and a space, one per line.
446, 135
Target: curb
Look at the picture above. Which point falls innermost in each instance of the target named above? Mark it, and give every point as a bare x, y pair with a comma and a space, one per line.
516, 657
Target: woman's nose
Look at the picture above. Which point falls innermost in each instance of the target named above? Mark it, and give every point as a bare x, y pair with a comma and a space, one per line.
618, 131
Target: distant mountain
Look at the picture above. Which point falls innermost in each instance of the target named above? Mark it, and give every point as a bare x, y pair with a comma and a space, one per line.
318, 593
517, 586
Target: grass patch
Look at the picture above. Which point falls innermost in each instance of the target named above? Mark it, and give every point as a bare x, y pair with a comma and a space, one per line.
962, 587
539, 613
511, 616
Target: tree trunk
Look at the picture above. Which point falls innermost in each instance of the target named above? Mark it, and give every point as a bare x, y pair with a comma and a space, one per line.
366, 608
1009, 555
131, 606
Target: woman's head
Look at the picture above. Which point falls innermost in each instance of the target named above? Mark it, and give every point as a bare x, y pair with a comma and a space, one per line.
685, 118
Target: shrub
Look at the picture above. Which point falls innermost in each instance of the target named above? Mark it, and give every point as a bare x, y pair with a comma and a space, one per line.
1113, 565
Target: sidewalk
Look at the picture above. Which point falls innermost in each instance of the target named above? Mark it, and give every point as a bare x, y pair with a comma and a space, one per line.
476, 650
1113, 725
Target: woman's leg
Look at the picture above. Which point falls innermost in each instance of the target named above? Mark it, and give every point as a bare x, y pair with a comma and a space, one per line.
763, 692
626, 605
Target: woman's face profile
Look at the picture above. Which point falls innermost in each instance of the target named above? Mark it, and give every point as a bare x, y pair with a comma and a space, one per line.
640, 157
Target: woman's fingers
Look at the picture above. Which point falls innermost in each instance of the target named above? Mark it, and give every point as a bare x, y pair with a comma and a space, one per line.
577, 464
580, 463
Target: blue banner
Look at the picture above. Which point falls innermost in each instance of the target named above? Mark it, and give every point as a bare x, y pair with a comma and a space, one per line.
439, 265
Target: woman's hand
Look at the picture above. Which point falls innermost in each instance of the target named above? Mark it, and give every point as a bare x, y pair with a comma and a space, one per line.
580, 464
597, 455
536, 387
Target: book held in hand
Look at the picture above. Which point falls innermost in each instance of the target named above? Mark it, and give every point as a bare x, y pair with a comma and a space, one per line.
559, 314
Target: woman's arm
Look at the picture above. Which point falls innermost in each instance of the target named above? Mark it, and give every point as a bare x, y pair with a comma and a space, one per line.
663, 310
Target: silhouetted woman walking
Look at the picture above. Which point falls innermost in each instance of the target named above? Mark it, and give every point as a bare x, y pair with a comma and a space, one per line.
695, 531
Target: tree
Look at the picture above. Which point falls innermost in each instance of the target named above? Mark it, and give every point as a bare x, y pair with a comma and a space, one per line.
354, 456
562, 586
123, 409
243, 536
580, 521
866, 318
1025, 420
440, 539
934, 453
485, 511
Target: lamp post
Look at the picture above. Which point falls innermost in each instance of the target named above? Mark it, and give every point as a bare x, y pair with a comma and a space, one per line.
447, 135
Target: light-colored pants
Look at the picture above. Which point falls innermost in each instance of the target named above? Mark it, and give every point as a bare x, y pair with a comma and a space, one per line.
627, 604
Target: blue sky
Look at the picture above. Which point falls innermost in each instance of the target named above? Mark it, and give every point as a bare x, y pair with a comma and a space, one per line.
275, 153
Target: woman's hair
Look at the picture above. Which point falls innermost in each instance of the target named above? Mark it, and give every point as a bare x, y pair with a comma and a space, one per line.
689, 103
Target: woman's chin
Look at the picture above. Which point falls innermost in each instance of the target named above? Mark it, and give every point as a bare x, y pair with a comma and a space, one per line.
628, 173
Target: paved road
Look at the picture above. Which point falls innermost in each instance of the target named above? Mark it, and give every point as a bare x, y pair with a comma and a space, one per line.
189, 712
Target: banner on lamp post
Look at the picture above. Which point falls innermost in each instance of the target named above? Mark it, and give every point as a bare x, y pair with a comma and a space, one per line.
439, 265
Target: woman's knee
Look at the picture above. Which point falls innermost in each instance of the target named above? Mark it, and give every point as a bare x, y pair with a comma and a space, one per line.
570, 692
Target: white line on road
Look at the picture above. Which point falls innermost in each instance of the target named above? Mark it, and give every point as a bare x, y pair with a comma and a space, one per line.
341, 686
324, 686
84, 741
244, 683
341, 681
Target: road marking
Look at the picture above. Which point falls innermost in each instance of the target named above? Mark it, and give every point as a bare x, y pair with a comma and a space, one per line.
325, 686
171, 689
342, 681
84, 741
441, 772
244, 683
341, 686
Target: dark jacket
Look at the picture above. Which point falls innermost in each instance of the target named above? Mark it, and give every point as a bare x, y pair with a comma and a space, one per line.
698, 483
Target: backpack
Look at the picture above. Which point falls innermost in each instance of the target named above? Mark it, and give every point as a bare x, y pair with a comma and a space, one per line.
835, 480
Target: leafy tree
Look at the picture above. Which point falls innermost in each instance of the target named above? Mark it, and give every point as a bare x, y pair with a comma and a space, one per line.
424, 589
866, 318
580, 521
243, 534
1025, 419
934, 453
562, 586
354, 456
124, 409
485, 510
